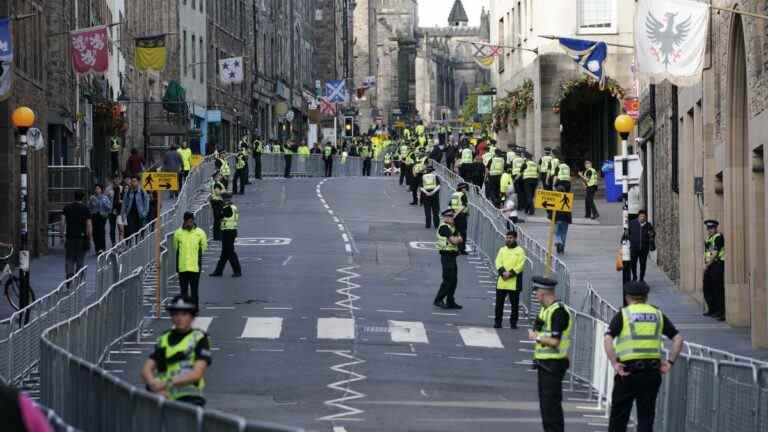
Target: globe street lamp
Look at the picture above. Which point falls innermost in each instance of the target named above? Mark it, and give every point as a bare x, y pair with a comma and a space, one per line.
23, 118
624, 124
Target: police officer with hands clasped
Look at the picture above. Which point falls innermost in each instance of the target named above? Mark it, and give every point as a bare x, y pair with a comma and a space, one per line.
230, 219
633, 345
448, 241
430, 197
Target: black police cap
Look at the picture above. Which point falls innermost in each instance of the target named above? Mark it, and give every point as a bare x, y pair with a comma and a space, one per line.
448, 212
636, 288
711, 223
182, 303
540, 282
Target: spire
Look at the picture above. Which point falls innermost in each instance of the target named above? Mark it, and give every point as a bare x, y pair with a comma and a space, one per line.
458, 16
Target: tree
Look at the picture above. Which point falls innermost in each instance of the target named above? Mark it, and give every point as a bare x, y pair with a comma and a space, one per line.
469, 109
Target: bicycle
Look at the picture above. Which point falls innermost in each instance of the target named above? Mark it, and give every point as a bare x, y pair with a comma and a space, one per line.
11, 282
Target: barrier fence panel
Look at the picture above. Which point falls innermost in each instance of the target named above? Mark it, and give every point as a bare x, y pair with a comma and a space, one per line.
738, 397
701, 396
762, 415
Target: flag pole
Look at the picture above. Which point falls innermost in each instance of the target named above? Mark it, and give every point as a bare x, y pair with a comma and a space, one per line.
607, 43
740, 12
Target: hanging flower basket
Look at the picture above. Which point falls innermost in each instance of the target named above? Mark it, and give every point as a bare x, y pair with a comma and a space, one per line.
567, 87
513, 106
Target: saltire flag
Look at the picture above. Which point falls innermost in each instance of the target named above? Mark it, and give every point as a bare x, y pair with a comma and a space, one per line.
590, 55
485, 55
671, 40
336, 91
231, 70
6, 58
89, 49
327, 107
369, 82
150, 53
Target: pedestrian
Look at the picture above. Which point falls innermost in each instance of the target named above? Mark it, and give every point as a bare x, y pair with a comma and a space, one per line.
100, 207
222, 165
328, 152
288, 151
217, 204
172, 162
517, 176
642, 241
589, 177
78, 231
258, 148
714, 271
186, 161
506, 183
509, 209
510, 263
448, 241
634, 202
552, 334
415, 179
135, 163
562, 221
495, 168
114, 155
430, 197
176, 368
460, 206
633, 345
241, 172
189, 245
366, 153
230, 218
531, 181
135, 207
116, 197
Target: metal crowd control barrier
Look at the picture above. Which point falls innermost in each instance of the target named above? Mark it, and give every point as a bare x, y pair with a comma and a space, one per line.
273, 165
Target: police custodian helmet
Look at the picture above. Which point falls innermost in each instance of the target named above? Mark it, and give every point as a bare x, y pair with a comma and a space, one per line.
183, 304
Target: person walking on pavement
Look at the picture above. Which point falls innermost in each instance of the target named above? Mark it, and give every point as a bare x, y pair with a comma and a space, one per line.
229, 223
189, 244
589, 177
135, 163
241, 172
78, 230
116, 196
430, 197
217, 204
531, 181
633, 345
634, 202
100, 206
714, 271
448, 241
642, 241
552, 334
328, 152
510, 262
460, 205
135, 207
258, 148
186, 161
182, 354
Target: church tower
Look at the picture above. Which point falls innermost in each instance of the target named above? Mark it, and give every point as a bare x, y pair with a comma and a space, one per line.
458, 16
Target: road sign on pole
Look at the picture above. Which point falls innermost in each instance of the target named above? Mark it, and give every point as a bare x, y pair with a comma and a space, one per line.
551, 200
634, 170
159, 181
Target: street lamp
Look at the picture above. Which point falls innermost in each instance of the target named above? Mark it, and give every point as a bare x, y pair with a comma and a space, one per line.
23, 118
624, 124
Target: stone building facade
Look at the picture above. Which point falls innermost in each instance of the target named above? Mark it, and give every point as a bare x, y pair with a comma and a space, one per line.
706, 143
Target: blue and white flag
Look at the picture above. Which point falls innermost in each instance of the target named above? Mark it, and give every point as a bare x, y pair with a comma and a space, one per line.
336, 91
6, 58
590, 55
369, 82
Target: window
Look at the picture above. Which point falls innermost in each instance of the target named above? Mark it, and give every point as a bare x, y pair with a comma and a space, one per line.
597, 16
184, 52
201, 5
501, 42
193, 4
202, 60
675, 140
194, 58
518, 35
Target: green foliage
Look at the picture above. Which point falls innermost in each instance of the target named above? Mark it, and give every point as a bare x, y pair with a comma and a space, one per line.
469, 109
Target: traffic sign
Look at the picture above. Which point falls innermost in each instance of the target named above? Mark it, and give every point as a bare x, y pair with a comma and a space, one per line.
551, 200
634, 173
400, 124
160, 181
196, 160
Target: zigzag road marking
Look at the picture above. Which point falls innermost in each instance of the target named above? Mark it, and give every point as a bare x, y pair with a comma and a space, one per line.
342, 386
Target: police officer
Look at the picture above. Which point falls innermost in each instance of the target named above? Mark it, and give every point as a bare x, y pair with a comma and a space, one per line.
552, 334
517, 176
366, 154
465, 163
410, 161
245, 148
530, 181
448, 241
114, 155
182, 354
714, 271
495, 166
544, 165
403, 153
460, 206
217, 204
241, 171
634, 347
288, 151
258, 148
186, 160
223, 166
430, 197
189, 244
230, 218
328, 152
554, 163
562, 176
418, 171
589, 177
510, 262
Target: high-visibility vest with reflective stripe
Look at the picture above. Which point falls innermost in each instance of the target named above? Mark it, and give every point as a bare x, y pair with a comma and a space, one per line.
387, 158
564, 172
418, 167
186, 158
443, 244
531, 170
429, 182
710, 253
487, 156
553, 164
327, 151
640, 337
466, 156
510, 259
232, 222
224, 170
240, 163
180, 360
456, 203
115, 147
403, 151
408, 158
344, 156
544, 167
497, 166
276, 148
511, 157
506, 180
516, 165
591, 175
546, 352
216, 196
365, 153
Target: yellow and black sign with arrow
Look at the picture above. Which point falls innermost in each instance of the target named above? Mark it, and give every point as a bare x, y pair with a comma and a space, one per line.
551, 200
160, 181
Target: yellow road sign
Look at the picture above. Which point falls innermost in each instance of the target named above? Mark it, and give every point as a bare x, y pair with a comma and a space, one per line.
400, 124
196, 160
160, 181
551, 200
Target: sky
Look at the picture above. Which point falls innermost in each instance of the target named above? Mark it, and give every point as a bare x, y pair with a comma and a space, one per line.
433, 12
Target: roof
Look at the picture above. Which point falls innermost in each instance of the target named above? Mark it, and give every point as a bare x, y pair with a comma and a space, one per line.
458, 14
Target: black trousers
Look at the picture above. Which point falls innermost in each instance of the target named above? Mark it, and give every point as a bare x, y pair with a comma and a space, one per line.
408, 174
514, 304
241, 177
366, 168
493, 188
189, 280
257, 165
450, 279
99, 232
551, 374
228, 253
530, 192
465, 172
216, 207
640, 256
115, 162
460, 221
640, 388
112, 228
589, 203
714, 288
288, 162
565, 184
328, 167
431, 209
403, 167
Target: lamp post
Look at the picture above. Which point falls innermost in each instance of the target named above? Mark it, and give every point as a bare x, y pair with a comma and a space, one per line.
23, 118
624, 125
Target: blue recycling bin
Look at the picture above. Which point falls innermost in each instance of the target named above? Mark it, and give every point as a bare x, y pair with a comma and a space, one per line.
612, 191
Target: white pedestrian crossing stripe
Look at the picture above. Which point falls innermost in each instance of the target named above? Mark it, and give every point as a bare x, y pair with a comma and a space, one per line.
335, 328
202, 323
480, 337
408, 331
262, 328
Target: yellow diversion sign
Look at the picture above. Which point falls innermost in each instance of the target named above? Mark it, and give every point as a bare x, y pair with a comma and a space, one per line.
160, 181
551, 200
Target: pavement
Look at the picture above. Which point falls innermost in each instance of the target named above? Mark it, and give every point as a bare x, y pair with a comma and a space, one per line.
332, 327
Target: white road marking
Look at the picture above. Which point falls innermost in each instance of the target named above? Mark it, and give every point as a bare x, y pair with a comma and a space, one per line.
335, 219
285, 263
401, 354
465, 358
330, 212
444, 313
263, 328
335, 328
480, 337
388, 311
345, 237
220, 307
339, 429
202, 323
278, 308
333, 308
326, 206
341, 227
348, 248
322, 200
267, 350
407, 331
